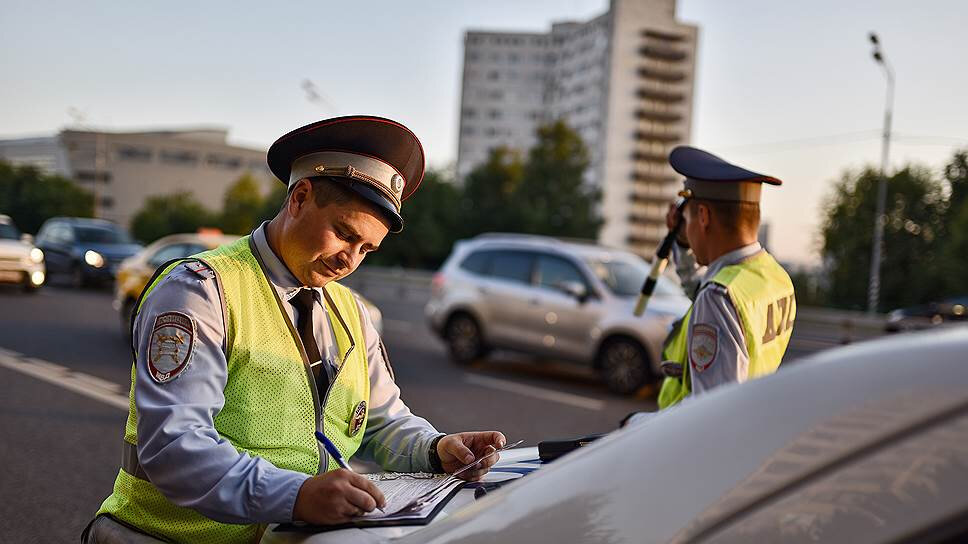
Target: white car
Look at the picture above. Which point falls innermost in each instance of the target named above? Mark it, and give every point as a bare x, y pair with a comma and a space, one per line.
863, 444
21, 262
554, 298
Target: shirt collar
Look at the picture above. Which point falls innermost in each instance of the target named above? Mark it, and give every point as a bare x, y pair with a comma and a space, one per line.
733, 257
277, 272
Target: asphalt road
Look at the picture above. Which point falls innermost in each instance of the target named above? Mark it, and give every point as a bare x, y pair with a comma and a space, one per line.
65, 374
64, 378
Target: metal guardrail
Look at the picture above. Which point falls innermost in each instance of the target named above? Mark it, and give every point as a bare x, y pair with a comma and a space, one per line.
402, 283
822, 328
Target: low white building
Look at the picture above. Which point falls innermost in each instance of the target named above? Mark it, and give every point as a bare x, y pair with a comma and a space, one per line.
122, 169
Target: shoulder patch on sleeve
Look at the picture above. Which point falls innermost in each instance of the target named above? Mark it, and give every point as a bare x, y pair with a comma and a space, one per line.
200, 269
703, 345
170, 346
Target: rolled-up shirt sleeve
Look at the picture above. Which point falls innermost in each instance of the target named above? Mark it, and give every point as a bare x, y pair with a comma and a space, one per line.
178, 446
395, 438
717, 346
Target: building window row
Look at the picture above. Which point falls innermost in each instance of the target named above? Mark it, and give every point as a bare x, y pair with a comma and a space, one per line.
180, 157
89, 176
497, 39
133, 153
226, 162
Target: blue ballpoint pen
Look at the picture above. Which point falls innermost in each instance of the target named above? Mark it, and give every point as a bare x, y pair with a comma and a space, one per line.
336, 455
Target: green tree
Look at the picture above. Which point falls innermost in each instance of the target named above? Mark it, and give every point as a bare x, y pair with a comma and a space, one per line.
242, 206
954, 250
272, 203
488, 201
911, 268
553, 197
431, 220
30, 197
169, 214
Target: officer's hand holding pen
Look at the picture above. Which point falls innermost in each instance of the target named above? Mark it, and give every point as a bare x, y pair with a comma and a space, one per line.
336, 496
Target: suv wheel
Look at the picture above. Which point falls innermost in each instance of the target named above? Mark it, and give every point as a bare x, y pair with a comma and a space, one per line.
624, 365
464, 339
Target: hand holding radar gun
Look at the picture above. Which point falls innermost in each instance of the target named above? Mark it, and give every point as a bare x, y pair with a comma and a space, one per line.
662, 255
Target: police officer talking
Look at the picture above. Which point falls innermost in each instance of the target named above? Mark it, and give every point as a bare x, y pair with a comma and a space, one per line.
743, 310
242, 353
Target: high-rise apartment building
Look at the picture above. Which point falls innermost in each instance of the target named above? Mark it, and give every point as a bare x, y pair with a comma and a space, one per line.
623, 81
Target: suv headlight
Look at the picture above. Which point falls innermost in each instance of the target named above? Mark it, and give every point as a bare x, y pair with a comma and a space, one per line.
36, 255
94, 258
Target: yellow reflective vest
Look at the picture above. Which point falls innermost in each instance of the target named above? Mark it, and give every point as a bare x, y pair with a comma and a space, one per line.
762, 293
271, 408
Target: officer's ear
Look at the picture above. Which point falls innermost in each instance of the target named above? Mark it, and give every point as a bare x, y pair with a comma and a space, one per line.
300, 195
704, 214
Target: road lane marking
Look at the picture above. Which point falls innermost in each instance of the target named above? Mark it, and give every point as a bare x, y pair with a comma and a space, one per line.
536, 392
90, 386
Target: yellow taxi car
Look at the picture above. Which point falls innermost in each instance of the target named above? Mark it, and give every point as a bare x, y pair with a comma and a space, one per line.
134, 272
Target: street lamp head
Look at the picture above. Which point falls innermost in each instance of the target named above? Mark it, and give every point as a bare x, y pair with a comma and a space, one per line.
877, 56
873, 38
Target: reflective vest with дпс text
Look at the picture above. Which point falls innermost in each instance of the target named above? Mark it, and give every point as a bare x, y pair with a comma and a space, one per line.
762, 293
269, 408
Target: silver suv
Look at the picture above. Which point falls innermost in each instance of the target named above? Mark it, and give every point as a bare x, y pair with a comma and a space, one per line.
553, 298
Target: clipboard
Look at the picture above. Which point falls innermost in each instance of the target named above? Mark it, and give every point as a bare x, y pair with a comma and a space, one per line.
424, 519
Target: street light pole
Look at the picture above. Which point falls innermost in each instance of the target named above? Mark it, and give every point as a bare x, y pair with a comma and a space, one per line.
874, 288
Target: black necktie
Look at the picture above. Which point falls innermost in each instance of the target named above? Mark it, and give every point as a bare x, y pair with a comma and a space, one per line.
304, 302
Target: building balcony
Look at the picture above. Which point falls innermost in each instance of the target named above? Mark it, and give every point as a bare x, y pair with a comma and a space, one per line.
652, 178
661, 95
662, 74
639, 197
639, 218
644, 243
650, 156
669, 116
657, 135
662, 35
662, 52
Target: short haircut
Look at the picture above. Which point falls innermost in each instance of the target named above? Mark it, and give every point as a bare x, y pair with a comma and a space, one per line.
327, 190
736, 217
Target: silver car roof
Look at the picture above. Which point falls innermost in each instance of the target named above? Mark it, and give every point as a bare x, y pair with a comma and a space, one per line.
697, 470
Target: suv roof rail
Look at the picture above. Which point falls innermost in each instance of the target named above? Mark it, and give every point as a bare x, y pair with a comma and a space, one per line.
539, 237
514, 236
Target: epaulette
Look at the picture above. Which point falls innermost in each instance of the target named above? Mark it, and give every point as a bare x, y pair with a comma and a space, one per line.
201, 269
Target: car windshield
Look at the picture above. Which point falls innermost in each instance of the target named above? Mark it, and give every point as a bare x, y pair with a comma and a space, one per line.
101, 235
9, 232
625, 277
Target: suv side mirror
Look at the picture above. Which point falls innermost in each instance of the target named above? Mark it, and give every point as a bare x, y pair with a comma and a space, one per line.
575, 289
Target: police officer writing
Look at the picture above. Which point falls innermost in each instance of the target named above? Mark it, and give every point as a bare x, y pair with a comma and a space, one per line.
243, 353
743, 307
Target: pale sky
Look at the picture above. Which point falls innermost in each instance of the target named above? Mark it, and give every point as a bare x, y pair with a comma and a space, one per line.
785, 88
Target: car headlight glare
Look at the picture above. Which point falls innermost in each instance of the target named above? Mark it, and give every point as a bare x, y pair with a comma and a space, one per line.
36, 255
94, 258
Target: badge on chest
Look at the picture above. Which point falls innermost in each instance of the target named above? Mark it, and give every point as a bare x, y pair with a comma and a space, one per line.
358, 419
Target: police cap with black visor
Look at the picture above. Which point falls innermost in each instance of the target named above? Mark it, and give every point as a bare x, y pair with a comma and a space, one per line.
378, 159
709, 177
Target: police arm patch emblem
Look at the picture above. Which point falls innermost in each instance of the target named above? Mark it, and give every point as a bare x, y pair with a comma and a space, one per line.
170, 346
702, 346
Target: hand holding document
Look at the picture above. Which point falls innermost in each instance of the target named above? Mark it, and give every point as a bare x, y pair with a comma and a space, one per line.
417, 495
